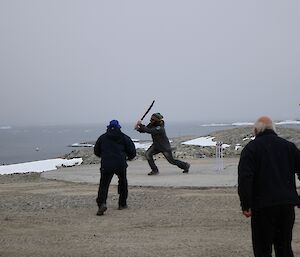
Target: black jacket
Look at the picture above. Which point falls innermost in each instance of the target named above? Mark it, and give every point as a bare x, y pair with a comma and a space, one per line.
159, 136
266, 172
114, 147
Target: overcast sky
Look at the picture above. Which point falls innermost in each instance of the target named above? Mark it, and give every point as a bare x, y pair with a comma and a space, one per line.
90, 61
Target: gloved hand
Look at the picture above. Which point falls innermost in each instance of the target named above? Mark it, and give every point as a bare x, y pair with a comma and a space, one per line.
138, 125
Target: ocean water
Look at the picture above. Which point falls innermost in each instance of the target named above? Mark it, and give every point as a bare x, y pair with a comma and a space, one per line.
24, 144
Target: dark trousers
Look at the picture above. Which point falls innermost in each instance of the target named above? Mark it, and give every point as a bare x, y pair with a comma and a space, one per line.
168, 155
105, 179
273, 226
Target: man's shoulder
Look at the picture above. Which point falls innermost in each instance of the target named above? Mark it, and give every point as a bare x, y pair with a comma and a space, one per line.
250, 145
275, 139
156, 127
103, 135
284, 141
280, 139
126, 137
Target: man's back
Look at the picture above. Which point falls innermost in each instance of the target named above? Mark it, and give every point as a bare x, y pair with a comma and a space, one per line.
114, 147
271, 163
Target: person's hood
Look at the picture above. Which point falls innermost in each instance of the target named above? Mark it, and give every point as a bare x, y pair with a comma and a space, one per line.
114, 134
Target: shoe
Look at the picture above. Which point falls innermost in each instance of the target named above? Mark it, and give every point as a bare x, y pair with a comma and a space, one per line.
121, 207
153, 172
186, 170
101, 210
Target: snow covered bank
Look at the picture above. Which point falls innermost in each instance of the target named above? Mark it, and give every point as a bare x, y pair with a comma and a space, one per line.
203, 141
39, 166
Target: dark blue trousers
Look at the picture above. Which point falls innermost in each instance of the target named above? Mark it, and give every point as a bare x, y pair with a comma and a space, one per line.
105, 179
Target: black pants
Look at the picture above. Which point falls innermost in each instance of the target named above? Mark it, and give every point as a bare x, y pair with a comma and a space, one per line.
168, 155
273, 226
105, 179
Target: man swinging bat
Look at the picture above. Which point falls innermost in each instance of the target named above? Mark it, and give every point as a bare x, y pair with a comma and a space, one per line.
160, 144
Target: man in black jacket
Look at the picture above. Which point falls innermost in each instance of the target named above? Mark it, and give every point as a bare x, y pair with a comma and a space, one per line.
267, 189
113, 147
161, 143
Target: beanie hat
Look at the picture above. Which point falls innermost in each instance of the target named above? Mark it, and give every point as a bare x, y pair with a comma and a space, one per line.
157, 116
114, 124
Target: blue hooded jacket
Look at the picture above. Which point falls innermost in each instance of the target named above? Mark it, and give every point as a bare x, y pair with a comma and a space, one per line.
114, 148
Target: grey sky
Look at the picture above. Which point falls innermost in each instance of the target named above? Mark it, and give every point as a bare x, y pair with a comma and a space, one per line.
71, 61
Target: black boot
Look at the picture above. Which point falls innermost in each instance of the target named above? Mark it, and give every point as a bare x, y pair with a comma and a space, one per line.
153, 172
187, 168
101, 209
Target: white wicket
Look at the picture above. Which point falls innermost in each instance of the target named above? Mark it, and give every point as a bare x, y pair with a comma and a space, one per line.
219, 156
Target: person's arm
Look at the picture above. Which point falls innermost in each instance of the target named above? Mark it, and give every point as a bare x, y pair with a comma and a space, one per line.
97, 147
138, 124
297, 164
129, 148
151, 130
297, 161
245, 180
140, 127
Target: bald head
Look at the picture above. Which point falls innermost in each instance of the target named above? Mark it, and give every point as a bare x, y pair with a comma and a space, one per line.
263, 123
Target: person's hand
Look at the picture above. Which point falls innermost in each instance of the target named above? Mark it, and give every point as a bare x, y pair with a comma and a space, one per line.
138, 124
247, 213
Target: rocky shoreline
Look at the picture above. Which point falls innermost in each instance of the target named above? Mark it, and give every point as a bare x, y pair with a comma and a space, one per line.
237, 138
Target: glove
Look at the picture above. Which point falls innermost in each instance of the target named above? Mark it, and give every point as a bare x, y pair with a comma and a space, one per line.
137, 125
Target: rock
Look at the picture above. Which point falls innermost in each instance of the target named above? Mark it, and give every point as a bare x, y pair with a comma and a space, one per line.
237, 138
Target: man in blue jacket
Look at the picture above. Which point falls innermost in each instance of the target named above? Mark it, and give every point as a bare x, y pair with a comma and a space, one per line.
114, 148
267, 189
161, 143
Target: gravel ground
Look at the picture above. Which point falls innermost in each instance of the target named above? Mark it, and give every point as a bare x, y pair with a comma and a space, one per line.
40, 217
